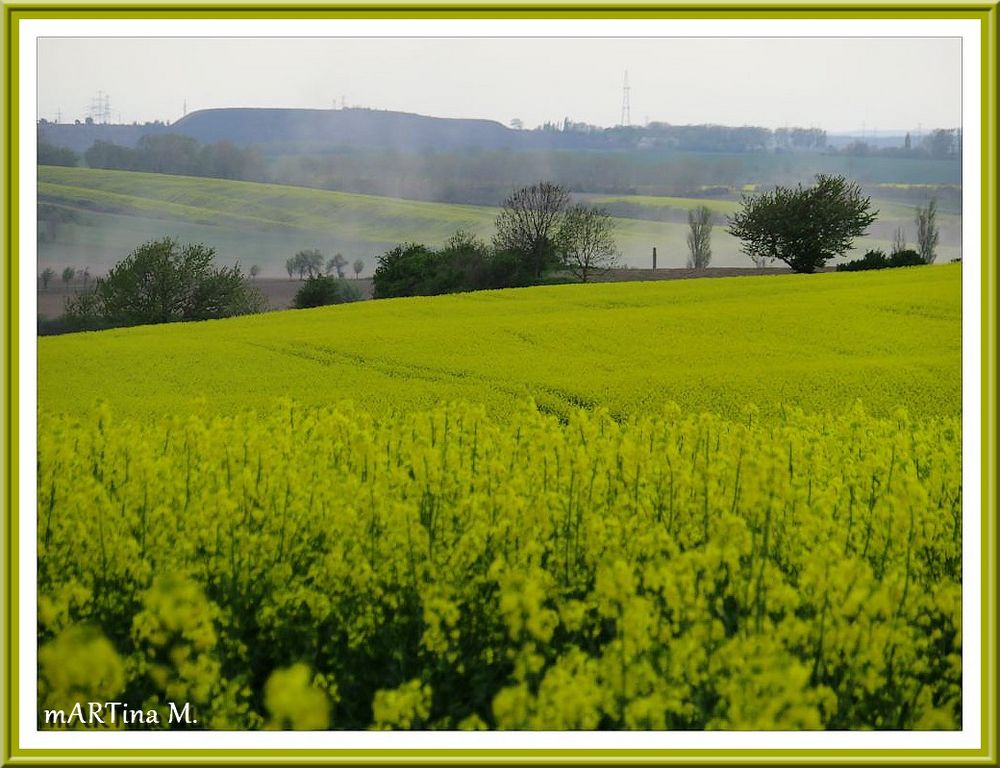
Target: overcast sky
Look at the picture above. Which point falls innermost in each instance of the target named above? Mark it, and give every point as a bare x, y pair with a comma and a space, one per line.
839, 84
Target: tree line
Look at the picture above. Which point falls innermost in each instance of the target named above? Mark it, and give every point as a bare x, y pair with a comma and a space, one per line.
175, 154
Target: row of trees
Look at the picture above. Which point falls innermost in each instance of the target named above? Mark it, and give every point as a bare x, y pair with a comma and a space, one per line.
69, 274
175, 154
538, 231
311, 263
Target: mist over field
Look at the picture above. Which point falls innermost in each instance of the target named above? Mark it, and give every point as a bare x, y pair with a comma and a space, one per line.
266, 183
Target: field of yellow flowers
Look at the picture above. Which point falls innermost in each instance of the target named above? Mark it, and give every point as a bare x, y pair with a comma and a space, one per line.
759, 527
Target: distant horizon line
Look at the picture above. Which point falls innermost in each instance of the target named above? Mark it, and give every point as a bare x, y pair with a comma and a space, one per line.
853, 133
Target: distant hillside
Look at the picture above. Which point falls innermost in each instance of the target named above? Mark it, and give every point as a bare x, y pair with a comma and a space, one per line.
308, 129
317, 130
93, 218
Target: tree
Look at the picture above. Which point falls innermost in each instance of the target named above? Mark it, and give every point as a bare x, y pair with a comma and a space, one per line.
67, 275
527, 224
927, 231
358, 266
48, 275
254, 271
290, 267
898, 241
308, 262
162, 281
699, 237
86, 277
803, 227
336, 262
402, 271
941, 143
586, 241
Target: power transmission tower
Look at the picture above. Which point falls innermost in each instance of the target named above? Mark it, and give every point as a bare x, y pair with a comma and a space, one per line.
100, 108
626, 107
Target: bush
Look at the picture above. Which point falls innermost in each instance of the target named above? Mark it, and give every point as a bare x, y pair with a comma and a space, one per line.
876, 259
907, 258
323, 290
464, 264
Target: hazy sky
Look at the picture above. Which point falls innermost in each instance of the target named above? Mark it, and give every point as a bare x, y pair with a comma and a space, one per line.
840, 84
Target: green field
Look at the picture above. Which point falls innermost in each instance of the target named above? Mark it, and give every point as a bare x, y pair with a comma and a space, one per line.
709, 504
108, 213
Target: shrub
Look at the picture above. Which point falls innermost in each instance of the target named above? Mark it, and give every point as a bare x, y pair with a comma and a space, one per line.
906, 258
322, 290
876, 259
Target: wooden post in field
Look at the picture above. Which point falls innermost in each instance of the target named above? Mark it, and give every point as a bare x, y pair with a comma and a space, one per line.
654, 257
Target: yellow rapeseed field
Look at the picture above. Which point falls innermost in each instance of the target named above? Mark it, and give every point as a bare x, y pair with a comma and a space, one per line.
722, 504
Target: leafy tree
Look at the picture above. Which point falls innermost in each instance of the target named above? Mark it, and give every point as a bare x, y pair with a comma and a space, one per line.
254, 271
699, 237
804, 227
104, 154
358, 266
402, 270
927, 231
162, 281
337, 262
942, 143
67, 275
586, 242
527, 224
290, 267
308, 262
322, 290
48, 275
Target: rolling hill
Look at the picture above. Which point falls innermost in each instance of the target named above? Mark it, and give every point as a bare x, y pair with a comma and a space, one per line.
95, 217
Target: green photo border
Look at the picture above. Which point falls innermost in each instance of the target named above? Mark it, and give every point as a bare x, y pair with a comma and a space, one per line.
13, 12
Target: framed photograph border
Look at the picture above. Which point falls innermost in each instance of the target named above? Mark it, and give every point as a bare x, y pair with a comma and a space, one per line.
13, 13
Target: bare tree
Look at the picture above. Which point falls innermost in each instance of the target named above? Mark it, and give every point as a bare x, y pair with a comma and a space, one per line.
527, 225
699, 237
898, 241
358, 266
586, 241
290, 267
927, 231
